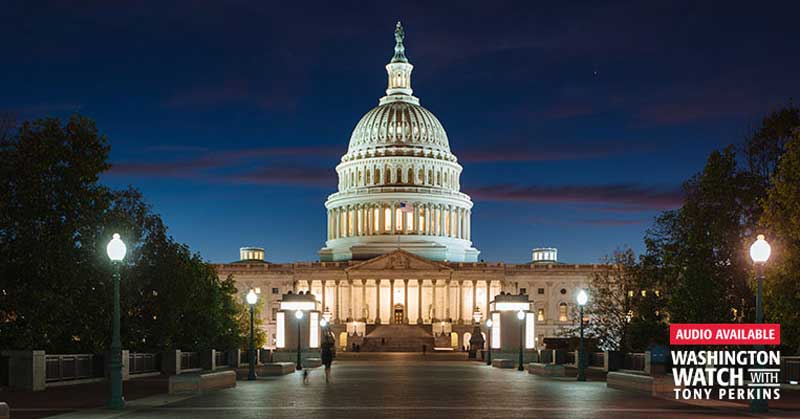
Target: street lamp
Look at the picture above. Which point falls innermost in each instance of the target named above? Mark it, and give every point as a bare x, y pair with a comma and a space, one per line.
521, 317
116, 252
489, 333
759, 252
252, 298
582, 299
299, 316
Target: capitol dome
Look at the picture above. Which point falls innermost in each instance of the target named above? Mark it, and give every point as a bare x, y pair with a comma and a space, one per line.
402, 128
399, 184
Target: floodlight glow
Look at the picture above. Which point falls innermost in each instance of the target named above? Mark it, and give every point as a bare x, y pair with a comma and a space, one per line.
252, 297
489, 323
511, 306
582, 298
297, 305
298, 314
520, 314
116, 249
760, 250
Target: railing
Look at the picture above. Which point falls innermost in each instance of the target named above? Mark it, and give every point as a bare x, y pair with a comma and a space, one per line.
790, 369
570, 358
546, 356
634, 361
220, 358
190, 360
140, 363
598, 359
69, 367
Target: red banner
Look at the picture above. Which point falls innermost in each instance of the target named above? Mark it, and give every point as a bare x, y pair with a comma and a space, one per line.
725, 334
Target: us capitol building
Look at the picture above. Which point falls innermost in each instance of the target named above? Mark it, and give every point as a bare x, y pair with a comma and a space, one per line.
399, 249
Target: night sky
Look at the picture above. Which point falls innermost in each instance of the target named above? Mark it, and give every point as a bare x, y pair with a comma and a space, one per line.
575, 123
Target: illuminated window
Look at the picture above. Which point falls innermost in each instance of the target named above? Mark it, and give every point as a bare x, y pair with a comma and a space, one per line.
562, 312
540, 314
421, 222
644, 293
313, 330
398, 219
630, 293
258, 290
280, 333
387, 219
375, 214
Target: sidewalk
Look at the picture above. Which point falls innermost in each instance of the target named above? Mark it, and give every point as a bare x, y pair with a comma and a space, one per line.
64, 399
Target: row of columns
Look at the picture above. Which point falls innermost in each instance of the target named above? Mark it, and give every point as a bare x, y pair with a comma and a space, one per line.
388, 176
372, 219
338, 316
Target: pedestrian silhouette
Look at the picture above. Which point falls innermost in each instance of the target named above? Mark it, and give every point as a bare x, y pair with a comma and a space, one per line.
328, 347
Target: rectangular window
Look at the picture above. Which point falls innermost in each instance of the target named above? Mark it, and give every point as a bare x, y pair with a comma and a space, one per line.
523, 290
562, 312
280, 333
530, 338
313, 330
540, 291
275, 291
540, 314
495, 330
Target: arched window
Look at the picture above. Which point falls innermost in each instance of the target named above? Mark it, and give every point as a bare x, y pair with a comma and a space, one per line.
410, 177
421, 179
367, 179
562, 312
377, 175
430, 177
387, 175
399, 178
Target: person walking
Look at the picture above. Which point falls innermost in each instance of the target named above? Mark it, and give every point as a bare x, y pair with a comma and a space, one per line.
328, 343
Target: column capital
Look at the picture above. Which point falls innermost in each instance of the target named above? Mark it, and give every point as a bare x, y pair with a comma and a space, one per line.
405, 281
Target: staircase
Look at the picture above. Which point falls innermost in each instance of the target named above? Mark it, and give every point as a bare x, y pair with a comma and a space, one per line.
397, 338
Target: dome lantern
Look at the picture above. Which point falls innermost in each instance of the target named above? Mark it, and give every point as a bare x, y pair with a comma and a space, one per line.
399, 70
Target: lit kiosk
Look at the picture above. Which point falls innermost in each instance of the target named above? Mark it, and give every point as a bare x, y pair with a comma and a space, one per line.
512, 332
298, 329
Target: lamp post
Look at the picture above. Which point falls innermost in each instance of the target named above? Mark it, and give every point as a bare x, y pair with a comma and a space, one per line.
116, 252
582, 299
252, 298
521, 317
299, 316
489, 338
759, 253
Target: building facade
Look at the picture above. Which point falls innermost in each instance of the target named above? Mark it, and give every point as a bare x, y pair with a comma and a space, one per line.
398, 248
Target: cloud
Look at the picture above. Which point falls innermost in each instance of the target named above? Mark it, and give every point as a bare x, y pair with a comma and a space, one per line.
294, 175
521, 150
621, 195
235, 166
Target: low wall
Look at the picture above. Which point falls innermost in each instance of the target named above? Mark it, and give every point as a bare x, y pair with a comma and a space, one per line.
202, 382
639, 383
548, 370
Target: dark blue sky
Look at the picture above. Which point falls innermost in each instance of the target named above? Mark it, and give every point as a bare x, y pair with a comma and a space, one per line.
575, 123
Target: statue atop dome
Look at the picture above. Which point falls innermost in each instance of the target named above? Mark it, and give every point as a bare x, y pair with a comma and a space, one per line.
399, 49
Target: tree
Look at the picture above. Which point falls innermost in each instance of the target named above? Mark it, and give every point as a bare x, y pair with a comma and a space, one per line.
622, 300
699, 249
782, 220
55, 221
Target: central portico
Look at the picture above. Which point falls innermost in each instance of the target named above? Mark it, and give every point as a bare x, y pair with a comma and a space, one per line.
401, 288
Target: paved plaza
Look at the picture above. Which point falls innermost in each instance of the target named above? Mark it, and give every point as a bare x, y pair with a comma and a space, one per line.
408, 386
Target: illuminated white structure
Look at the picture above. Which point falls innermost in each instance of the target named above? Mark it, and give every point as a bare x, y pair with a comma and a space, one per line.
398, 259
297, 311
509, 313
399, 182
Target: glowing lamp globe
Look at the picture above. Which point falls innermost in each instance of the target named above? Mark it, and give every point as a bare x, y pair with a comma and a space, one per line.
520, 314
298, 314
252, 297
582, 298
323, 323
760, 250
116, 249
489, 323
